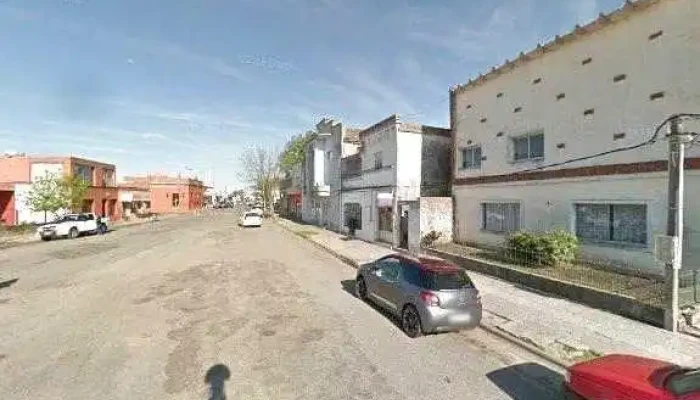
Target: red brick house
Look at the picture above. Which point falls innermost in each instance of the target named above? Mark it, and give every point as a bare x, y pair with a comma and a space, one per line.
168, 194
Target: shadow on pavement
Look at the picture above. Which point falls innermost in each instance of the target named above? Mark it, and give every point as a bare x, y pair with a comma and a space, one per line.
8, 283
349, 287
216, 377
528, 381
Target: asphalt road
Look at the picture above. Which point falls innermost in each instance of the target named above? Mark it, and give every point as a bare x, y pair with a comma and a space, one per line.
196, 307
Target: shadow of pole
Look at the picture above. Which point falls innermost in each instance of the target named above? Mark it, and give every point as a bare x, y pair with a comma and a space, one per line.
8, 283
216, 377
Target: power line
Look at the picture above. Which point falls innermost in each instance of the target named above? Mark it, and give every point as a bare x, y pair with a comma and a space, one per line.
647, 142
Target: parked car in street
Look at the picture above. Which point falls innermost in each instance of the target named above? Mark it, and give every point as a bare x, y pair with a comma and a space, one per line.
72, 226
618, 377
251, 219
429, 295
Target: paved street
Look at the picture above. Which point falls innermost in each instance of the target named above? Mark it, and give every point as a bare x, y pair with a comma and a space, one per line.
188, 306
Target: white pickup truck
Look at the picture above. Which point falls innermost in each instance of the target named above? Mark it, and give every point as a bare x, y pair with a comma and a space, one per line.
72, 226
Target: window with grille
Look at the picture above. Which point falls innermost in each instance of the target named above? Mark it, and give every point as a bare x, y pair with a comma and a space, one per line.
471, 157
528, 147
84, 172
353, 212
378, 160
617, 223
500, 217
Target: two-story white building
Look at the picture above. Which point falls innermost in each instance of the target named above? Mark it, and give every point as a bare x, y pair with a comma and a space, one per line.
321, 173
604, 86
398, 162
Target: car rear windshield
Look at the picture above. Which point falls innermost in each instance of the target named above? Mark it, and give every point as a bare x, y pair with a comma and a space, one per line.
446, 280
686, 382
251, 215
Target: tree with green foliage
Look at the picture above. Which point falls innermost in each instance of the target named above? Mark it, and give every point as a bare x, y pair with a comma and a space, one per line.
47, 195
294, 152
74, 188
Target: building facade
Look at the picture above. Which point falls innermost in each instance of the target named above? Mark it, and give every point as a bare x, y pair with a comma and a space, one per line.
168, 194
397, 163
290, 192
604, 86
17, 173
321, 173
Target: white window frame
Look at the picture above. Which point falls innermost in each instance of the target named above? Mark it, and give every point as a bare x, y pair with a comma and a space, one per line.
608, 243
481, 221
527, 136
463, 152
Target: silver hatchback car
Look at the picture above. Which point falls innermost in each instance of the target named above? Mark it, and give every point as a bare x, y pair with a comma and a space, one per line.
428, 294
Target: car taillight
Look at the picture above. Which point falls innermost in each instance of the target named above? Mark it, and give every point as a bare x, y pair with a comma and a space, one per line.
430, 299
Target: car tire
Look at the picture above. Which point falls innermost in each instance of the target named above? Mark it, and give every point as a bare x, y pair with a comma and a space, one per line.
361, 289
410, 322
73, 233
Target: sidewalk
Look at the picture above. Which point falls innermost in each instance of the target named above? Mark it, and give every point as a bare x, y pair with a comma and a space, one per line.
558, 329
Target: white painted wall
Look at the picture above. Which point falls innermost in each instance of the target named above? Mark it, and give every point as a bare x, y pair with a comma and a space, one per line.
40, 170
549, 205
409, 163
367, 199
24, 213
670, 63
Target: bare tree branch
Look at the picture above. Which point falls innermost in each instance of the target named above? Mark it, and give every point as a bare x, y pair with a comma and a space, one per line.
260, 167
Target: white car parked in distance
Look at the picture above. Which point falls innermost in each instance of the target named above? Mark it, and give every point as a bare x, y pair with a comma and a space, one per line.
251, 218
72, 226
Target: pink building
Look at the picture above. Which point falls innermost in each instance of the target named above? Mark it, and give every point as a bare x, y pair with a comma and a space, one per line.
167, 194
18, 172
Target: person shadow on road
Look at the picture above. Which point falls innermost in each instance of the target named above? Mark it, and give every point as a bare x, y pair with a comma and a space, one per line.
216, 378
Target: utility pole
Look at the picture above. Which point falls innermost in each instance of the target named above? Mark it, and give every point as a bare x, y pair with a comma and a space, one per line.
674, 225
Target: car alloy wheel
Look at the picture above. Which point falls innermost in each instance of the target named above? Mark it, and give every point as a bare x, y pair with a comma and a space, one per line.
410, 322
73, 233
361, 289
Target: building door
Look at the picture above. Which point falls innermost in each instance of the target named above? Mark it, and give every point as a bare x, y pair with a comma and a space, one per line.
112, 208
385, 224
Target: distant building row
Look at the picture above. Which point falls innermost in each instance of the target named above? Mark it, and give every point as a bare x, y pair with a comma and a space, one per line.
503, 161
135, 195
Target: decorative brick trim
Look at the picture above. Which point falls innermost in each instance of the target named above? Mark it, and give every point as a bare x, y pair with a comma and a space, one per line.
598, 170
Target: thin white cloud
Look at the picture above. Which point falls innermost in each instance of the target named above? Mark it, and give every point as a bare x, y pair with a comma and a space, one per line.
155, 47
446, 29
151, 135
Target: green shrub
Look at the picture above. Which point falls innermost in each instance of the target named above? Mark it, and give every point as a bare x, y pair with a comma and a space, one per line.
430, 238
548, 248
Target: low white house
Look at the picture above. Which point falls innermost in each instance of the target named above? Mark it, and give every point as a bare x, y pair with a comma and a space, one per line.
604, 86
397, 164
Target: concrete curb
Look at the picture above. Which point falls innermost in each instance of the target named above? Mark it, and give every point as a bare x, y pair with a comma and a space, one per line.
493, 330
525, 345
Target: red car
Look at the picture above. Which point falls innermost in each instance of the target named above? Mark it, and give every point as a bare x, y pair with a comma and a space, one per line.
624, 377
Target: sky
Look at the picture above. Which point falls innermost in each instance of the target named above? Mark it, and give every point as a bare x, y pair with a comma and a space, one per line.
187, 86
